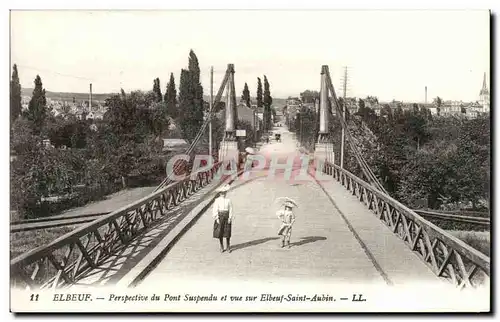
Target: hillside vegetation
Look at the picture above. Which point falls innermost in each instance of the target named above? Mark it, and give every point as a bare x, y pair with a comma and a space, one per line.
422, 160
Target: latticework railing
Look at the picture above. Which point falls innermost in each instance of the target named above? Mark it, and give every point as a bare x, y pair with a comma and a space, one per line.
447, 256
63, 261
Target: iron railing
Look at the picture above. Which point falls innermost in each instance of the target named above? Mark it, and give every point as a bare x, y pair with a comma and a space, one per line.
447, 256
64, 260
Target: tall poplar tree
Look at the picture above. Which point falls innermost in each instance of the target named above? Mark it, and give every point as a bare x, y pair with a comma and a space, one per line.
259, 93
37, 108
171, 98
194, 72
246, 95
268, 100
189, 126
157, 90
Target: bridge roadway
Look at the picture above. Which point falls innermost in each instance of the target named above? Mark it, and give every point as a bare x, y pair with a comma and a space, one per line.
335, 239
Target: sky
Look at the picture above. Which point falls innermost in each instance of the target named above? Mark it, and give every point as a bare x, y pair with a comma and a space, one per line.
389, 54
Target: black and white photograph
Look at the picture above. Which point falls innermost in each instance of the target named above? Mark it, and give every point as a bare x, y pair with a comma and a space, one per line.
333, 161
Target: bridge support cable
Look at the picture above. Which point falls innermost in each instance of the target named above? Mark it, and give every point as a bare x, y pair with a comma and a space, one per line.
200, 132
350, 139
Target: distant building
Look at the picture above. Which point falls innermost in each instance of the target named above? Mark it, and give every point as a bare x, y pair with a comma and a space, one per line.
174, 144
81, 115
471, 113
452, 108
434, 110
484, 96
293, 101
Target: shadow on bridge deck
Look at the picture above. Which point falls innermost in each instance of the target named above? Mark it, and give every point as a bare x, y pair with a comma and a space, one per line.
334, 240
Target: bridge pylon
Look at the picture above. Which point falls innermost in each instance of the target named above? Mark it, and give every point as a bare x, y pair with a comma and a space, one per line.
229, 146
323, 150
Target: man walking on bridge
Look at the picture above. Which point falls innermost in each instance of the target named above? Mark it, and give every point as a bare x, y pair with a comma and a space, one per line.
223, 215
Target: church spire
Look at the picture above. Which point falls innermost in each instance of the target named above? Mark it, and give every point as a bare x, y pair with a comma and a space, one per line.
484, 90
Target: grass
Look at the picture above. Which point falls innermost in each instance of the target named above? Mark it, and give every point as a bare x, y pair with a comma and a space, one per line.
24, 241
479, 240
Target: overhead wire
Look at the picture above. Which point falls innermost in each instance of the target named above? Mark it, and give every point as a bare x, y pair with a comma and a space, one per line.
200, 132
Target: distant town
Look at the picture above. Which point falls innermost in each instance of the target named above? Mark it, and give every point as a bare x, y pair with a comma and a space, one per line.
438, 106
80, 108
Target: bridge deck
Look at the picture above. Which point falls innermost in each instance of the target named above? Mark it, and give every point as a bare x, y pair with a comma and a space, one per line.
335, 240
324, 247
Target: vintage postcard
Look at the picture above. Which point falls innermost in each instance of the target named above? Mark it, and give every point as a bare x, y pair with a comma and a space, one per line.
250, 161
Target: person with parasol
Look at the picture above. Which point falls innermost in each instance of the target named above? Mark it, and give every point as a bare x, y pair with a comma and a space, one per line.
224, 216
287, 217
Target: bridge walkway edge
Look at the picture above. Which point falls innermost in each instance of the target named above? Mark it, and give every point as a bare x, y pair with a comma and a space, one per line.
392, 256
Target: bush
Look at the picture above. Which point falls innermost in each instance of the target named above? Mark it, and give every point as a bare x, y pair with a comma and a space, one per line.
477, 240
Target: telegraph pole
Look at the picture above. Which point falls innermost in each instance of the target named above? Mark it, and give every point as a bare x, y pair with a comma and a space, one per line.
343, 116
90, 98
211, 107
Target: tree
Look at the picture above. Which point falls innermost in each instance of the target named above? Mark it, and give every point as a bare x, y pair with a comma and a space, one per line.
438, 101
171, 98
305, 127
361, 106
124, 143
70, 132
23, 140
386, 112
259, 93
249, 139
190, 121
159, 120
309, 96
15, 96
37, 108
268, 100
472, 161
372, 99
194, 73
246, 95
157, 90
191, 99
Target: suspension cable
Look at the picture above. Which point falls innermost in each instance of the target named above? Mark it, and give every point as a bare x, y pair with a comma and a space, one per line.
361, 161
200, 132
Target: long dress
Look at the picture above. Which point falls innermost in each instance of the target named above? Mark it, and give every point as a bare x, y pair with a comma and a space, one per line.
223, 210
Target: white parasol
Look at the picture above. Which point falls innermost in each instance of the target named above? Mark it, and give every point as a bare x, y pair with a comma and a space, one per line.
286, 200
249, 150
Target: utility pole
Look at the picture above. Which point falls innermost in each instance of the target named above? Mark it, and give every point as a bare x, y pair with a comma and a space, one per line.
211, 107
343, 116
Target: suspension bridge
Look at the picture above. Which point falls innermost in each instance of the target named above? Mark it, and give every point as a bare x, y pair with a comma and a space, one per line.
348, 228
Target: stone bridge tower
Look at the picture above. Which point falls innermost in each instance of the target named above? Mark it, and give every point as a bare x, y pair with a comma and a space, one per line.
229, 145
324, 147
